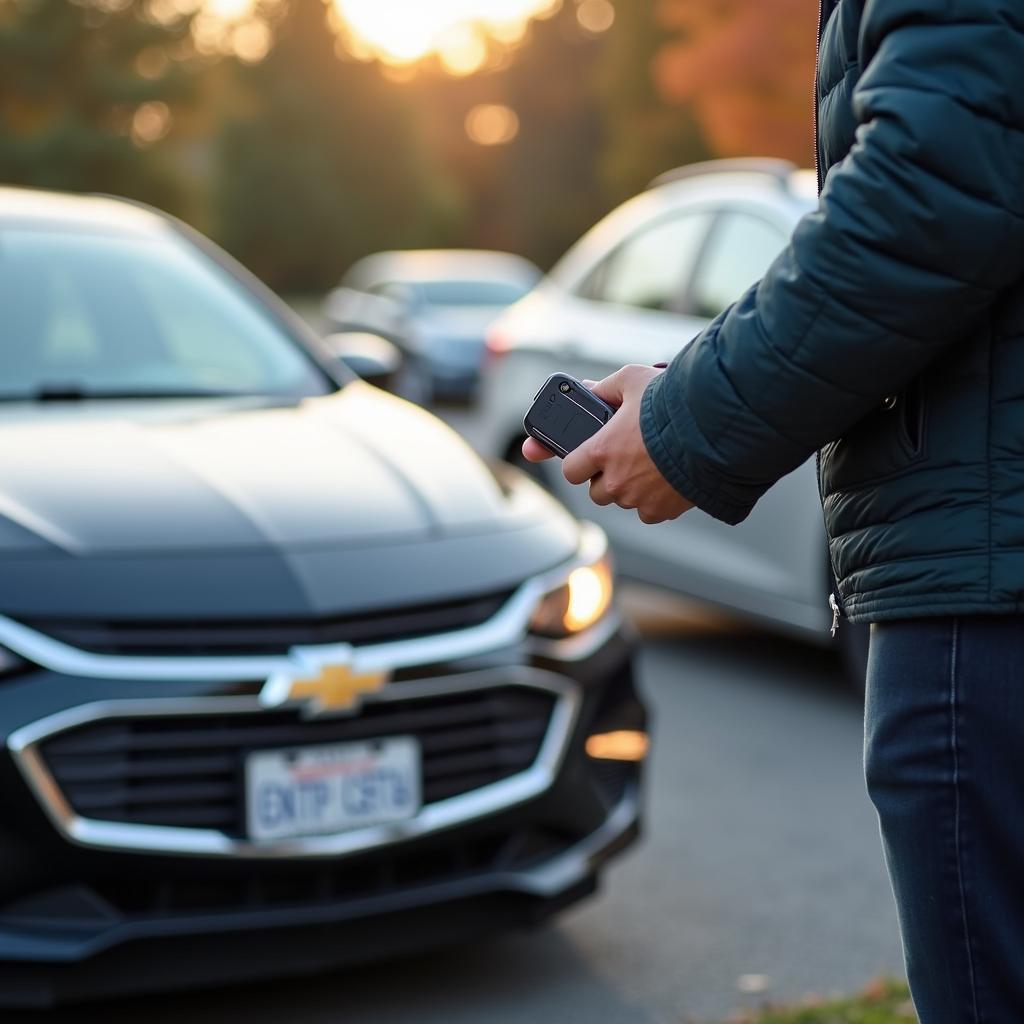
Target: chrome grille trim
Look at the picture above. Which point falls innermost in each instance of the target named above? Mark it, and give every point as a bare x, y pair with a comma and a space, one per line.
498, 796
507, 627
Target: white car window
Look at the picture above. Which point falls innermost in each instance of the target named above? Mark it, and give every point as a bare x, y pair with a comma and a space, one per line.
652, 267
739, 251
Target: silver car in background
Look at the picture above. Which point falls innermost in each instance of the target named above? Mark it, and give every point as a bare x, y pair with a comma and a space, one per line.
635, 289
436, 305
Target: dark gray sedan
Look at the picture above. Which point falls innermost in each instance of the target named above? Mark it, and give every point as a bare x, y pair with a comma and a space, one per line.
436, 305
288, 677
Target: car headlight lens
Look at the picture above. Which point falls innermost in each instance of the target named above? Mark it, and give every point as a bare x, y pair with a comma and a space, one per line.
578, 603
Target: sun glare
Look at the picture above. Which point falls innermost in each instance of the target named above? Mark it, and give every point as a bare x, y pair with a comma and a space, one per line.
492, 124
229, 10
405, 31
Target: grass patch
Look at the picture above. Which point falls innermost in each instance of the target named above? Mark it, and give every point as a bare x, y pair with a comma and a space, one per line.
881, 1002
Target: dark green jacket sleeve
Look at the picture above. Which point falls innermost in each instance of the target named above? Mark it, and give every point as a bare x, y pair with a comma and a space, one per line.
917, 231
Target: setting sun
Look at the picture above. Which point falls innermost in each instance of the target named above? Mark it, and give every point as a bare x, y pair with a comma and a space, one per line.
458, 31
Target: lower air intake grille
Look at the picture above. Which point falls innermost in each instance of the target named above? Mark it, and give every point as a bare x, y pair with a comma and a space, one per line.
187, 770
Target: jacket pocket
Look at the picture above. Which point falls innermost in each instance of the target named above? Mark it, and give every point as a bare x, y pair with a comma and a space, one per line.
912, 418
882, 445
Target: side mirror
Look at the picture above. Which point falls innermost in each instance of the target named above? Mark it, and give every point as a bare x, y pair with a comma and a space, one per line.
348, 309
404, 296
372, 357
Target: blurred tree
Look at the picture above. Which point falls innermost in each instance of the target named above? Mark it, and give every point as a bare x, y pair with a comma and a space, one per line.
645, 134
745, 67
535, 190
300, 159
546, 189
592, 129
321, 160
89, 91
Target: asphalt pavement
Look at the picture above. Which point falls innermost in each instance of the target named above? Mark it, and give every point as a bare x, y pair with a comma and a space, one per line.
761, 870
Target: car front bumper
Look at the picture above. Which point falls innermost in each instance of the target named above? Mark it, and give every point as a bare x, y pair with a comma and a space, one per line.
91, 911
47, 958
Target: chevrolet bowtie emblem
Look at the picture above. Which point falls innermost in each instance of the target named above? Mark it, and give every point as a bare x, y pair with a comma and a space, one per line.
336, 688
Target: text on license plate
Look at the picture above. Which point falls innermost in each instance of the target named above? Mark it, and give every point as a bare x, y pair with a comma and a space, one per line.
332, 787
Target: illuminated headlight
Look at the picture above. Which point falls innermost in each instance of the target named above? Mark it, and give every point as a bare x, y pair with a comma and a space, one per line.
578, 603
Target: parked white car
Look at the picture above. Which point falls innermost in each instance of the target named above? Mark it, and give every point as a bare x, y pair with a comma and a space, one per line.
636, 289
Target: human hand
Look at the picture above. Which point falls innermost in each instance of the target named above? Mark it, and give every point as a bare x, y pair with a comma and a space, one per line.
615, 459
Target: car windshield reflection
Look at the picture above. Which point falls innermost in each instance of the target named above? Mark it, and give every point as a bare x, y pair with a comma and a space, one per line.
97, 315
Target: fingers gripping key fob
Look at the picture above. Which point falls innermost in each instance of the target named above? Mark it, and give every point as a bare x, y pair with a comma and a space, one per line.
564, 414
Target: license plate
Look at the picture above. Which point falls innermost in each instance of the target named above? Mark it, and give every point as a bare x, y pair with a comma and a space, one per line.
305, 791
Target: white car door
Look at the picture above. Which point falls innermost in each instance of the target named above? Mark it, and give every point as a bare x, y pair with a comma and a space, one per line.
773, 563
626, 310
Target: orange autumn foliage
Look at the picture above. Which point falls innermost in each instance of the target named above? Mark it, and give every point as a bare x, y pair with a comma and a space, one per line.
745, 68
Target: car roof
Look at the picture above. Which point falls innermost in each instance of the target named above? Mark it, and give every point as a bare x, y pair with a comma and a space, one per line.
440, 265
783, 173
89, 212
766, 183
765, 177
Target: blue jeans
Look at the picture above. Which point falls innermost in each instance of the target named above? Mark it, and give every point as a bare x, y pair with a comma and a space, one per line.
944, 759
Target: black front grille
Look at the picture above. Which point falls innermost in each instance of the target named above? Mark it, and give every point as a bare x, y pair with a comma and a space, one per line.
254, 886
187, 771
316, 884
267, 636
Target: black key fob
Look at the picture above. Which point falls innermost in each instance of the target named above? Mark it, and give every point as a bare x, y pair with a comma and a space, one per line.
564, 414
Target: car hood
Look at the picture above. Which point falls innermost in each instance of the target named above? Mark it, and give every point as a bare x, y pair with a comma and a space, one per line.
339, 502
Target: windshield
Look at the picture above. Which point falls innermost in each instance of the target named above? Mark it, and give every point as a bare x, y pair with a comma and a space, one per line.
471, 293
91, 314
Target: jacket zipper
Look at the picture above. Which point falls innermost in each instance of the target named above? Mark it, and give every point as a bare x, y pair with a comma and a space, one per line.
833, 602
834, 605
814, 96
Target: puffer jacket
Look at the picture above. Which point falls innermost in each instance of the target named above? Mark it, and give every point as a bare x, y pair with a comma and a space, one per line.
890, 333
